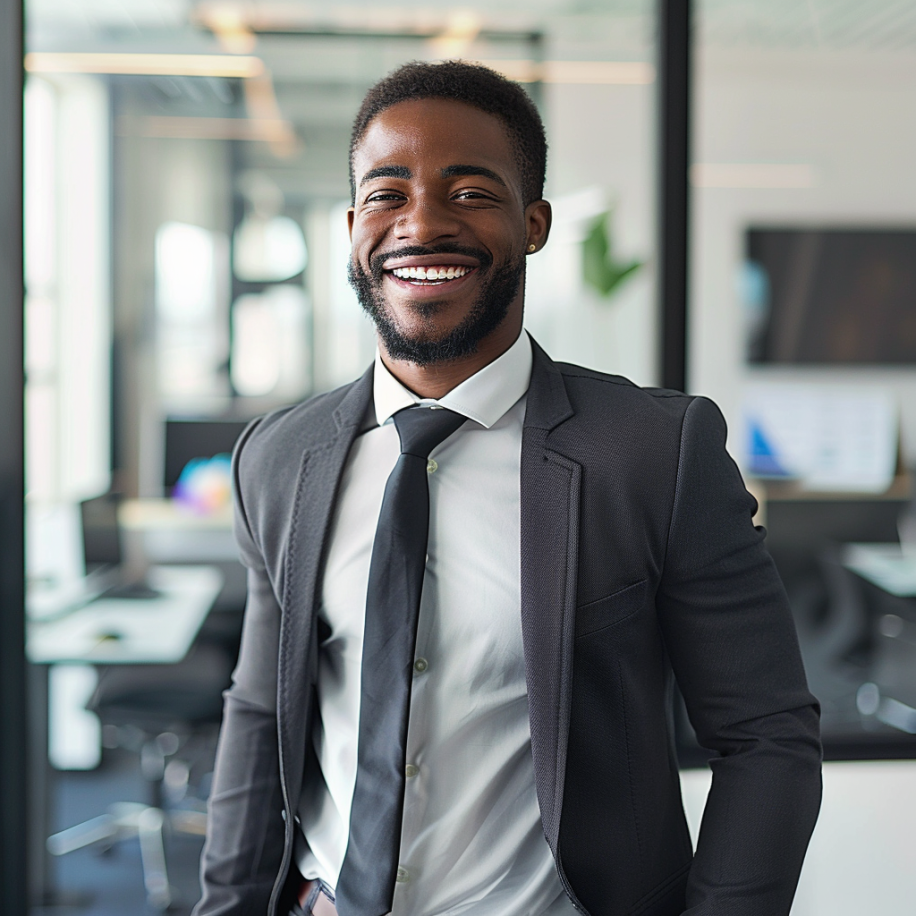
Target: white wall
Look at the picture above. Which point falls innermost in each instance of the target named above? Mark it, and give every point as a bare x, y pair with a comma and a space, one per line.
601, 155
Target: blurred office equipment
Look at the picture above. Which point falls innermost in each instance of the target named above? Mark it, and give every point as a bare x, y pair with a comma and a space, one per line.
198, 437
160, 707
833, 295
890, 574
110, 630
78, 553
170, 718
827, 438
853, 591
108, 571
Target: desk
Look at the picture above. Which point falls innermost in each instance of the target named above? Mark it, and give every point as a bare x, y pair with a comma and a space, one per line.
129, 631
884, 565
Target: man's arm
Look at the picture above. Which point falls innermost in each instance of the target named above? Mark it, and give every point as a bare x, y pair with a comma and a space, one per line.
732, 643
245, 829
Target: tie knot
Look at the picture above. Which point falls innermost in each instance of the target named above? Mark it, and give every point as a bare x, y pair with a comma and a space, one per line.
421, 429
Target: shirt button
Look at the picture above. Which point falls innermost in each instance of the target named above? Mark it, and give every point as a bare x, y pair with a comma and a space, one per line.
403, 875
431, 466
420, 665
410, 771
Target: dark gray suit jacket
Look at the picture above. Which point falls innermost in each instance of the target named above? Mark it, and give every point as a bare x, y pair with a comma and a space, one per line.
639, 560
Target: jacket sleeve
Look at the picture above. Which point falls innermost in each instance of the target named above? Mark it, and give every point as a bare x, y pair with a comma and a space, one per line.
245, 830
734, 650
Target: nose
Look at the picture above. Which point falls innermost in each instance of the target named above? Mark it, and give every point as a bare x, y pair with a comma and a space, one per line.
424, 220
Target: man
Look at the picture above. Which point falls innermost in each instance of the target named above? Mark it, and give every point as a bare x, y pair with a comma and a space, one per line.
497, 743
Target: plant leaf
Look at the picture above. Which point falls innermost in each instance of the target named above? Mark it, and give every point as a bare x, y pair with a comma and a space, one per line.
599, 268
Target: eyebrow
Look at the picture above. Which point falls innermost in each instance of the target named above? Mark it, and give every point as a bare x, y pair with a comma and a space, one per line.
386, 171
457, 171
450, 171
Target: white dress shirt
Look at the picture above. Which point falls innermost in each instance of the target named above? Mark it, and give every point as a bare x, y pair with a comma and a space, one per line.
471, 839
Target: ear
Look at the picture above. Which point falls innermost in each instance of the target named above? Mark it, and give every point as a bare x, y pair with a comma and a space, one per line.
351, 213
538, 217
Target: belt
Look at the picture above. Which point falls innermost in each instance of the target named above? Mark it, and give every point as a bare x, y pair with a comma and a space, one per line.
315, 900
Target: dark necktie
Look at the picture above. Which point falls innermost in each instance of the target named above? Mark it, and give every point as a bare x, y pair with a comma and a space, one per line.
367, 879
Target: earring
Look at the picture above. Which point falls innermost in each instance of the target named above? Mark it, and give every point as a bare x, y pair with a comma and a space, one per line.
532, 247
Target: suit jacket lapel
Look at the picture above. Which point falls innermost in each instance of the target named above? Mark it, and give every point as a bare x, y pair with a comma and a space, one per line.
550, 484
316, 488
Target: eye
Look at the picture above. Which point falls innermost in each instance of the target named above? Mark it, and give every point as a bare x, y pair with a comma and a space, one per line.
381, 197
473, 194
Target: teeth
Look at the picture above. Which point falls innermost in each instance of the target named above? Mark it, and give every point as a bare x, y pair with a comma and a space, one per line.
430, 273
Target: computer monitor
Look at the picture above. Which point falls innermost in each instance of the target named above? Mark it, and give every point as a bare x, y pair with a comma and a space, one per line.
186, 439
101, 535
830, 295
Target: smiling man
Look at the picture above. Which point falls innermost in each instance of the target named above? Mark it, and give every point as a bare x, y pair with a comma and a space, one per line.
474, 576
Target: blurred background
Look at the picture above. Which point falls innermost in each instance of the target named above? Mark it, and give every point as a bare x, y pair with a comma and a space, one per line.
185, 251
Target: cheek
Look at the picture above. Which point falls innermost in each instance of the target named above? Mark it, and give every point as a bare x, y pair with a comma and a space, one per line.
365, 241
359, 251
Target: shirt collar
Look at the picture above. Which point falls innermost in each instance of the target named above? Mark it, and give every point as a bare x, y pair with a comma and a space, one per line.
484, 397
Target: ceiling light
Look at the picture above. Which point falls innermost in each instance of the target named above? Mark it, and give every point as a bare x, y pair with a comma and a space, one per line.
462, 28
576, 72
231, 29
218, 65
265, 131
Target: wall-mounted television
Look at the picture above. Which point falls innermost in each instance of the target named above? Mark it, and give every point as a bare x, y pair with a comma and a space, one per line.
830, 295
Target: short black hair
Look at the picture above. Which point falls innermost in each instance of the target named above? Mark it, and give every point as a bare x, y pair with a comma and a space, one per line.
474, 85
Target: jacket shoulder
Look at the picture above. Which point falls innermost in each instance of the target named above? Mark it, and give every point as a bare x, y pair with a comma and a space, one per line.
602, 395
275, 441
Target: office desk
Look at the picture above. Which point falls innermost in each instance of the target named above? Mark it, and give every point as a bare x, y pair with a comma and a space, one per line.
884, 565
129, 630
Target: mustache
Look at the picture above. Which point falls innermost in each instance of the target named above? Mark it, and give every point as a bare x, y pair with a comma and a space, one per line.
377, 260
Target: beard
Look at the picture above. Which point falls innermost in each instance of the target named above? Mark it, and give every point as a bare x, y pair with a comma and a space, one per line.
488, 312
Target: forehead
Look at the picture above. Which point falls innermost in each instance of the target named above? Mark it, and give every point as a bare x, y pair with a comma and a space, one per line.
438, 133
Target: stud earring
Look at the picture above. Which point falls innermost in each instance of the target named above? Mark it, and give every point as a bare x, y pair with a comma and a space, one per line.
532, 247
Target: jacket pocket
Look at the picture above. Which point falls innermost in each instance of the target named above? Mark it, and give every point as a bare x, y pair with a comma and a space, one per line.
612, 609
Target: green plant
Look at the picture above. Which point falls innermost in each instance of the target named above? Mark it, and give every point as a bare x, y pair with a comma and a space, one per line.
600, 270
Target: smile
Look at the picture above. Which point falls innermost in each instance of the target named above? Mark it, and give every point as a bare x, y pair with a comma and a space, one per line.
424, 276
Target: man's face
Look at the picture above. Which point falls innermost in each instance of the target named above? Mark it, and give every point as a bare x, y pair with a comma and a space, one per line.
439, 230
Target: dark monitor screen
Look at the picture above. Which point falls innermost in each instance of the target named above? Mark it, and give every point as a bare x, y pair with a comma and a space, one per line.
101, 534
823, 296
189, 439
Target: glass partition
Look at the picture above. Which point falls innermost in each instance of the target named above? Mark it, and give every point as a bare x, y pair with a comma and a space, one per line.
804, 211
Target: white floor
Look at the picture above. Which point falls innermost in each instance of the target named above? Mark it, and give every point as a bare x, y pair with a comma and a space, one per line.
862, 858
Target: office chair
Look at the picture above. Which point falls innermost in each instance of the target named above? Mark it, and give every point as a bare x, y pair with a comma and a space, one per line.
158, 711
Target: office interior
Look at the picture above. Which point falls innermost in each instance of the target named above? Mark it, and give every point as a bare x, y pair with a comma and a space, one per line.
185, 192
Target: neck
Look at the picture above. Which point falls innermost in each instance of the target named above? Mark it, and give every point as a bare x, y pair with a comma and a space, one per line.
436, 380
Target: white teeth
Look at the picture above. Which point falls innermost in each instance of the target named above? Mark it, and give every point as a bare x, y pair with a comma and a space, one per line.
430, 273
